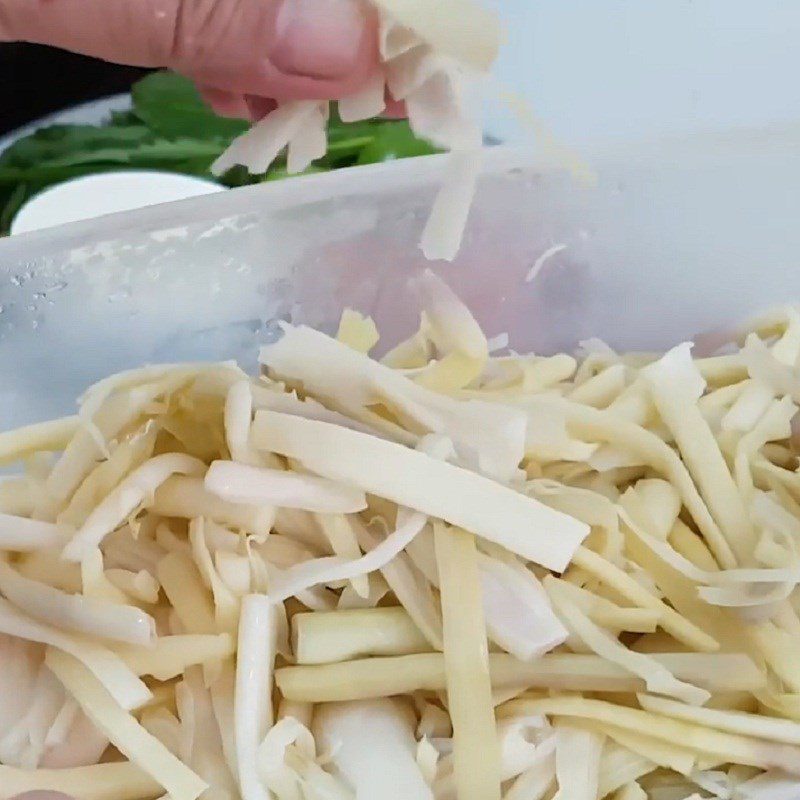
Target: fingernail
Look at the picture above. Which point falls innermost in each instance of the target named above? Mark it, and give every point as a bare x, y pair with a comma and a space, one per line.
318, 38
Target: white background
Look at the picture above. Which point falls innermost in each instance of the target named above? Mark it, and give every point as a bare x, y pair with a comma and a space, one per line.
599, 69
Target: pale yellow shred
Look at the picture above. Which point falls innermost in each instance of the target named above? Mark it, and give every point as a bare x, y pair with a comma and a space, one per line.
334, 636
50, 436
620, 766
702, 740
126, 456
631, 791
601, 390
187, 498
453, 372
701, 454
469, 688
357, 331
380, 677
116, 781
226, 603
657, 678
171, 656
670, 620
607, 427
654, 751
191, 601
386, 470
686, 542
616, 489
776, 730
123, 730
344, 542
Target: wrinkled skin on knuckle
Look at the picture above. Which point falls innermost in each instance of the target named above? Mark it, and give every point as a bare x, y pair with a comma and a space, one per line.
115, 30
224, 44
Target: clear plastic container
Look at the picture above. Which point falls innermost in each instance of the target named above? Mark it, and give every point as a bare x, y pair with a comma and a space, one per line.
673, 238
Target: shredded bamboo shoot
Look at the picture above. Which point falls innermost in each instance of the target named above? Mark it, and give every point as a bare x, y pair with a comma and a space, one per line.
469, 688
457, 574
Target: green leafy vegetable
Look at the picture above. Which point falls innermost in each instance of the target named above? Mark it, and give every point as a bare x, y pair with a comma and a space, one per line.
171, 106
170, 128
15, 201
392, 141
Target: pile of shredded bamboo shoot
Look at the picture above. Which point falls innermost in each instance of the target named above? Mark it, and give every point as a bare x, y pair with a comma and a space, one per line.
455, 573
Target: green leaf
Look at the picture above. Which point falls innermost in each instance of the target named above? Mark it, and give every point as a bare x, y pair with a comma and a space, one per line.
66, 141
123, 118
171, 106
12, 206
393, 140
345, 152
280, 173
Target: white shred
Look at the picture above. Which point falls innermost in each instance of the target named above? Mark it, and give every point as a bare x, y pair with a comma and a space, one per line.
122, 729
415, 480
139, 486
372, 748
447, 222
121, 683
450, 324
368, 102
76, 613
519, 616
262, 144
258, 486
769, 785
474, 40
310, 142
487, 436
253, 712
577, 763
24, 535
372, 546
542, 260
329, 570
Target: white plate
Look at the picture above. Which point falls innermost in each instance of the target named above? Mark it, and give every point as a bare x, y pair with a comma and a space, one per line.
94, 195
91, 113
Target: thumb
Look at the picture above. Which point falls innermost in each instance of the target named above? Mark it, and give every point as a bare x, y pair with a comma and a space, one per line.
280, 49
283, 49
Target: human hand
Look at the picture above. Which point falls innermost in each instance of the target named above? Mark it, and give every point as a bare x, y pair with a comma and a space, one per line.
243, 54
42, 795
